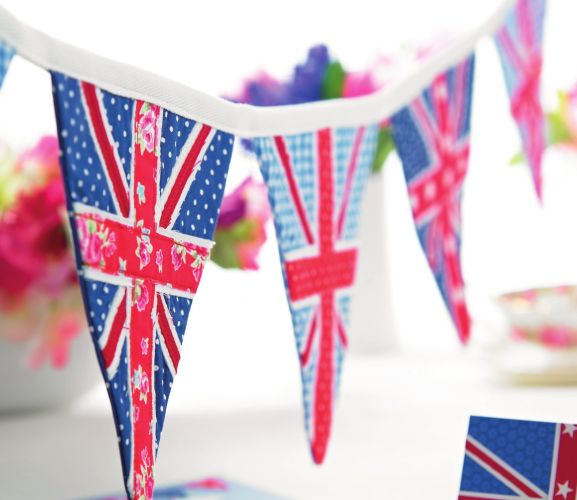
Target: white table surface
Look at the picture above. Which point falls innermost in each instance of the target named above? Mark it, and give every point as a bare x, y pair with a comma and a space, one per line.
399, 433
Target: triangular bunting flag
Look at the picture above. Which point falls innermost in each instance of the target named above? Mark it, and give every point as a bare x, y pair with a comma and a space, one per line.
432, 139
315, 183
6, 55
519, 459
519, 45
144, 188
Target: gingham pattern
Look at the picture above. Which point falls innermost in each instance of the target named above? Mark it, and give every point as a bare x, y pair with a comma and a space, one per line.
290, 233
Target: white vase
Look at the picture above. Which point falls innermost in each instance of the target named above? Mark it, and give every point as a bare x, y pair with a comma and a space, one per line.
26, 389
372, 328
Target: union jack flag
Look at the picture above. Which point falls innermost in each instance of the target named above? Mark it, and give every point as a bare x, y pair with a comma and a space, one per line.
519, 45
315, 183
515, 459
144, 188
432, 139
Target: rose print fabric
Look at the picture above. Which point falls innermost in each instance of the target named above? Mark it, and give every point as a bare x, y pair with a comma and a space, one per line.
144, 188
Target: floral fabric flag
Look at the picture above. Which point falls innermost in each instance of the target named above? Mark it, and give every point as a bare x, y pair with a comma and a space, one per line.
519, 45
519, 459
6, 54
144, 188
315, 184
432, 139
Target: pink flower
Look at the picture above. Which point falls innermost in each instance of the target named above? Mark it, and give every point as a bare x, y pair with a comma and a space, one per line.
147, 129
32, 240
136, 413
41, 162
149, 490
94, 252
83, 234
144, 384
357, 84
159, 259
55, 346
145, 458
110, 247
177, 256
144, 347
241, 226
141, 292
143, 252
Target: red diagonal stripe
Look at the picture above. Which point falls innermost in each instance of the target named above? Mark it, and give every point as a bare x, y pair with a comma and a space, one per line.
305, 356
110, 163
511, 49
349, 180
499, 469
111, 346
294, 191
166, 332
190, 162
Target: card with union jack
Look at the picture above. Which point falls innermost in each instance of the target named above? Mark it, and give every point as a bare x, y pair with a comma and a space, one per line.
144, 187
315, 183
517, 459
432, 138
519, 44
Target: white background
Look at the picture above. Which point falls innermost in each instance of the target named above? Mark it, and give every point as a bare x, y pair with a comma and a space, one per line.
239, 356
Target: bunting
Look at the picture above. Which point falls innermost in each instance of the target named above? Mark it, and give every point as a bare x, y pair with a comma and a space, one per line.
519, 45
315, 184
519, 459
144, 188
145, 181
432, 139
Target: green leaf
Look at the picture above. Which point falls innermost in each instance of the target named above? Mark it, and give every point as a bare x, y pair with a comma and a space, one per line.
385, 146
517, 159
334, 81
224, 250
558, 131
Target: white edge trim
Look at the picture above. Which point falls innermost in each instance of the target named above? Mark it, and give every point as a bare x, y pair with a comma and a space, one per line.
240, 119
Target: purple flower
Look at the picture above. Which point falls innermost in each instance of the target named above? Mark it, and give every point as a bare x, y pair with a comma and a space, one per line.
305, 85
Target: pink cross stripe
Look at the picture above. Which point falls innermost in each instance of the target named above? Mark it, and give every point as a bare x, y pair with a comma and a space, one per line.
563, 482
525, 57
435, 195
322, 275
138, 243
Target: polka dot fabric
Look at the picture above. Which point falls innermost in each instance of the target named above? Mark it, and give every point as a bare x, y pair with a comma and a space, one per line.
519, 458
84, 169
315, 184
432, 139
144, 188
